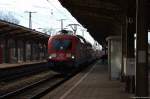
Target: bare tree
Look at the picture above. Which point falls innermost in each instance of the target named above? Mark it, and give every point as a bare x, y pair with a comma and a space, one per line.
9, 17
49, 31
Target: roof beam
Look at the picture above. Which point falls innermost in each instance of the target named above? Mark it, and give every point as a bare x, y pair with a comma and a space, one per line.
6, 32
109, 4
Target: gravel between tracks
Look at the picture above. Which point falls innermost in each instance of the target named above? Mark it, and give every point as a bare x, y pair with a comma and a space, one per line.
6, 87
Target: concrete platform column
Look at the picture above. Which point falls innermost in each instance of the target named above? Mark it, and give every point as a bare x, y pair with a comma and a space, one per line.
45, 51
130, 60
141, 50
24, 51
109, 59
6, 51
16, 50
31, 58
38, 50
130, 41
124, 47
114, 57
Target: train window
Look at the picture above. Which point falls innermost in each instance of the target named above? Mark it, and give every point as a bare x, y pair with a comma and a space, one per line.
81, 40
61, 44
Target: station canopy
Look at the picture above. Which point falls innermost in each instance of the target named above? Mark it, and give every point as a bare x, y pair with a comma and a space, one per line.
10, 30
103, 18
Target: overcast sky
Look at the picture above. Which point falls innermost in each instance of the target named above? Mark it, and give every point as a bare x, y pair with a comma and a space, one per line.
48, 12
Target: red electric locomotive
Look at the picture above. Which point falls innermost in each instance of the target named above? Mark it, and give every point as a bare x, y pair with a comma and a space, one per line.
66, 52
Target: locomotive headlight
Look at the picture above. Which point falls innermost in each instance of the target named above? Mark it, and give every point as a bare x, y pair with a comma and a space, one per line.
50, 57
73, 57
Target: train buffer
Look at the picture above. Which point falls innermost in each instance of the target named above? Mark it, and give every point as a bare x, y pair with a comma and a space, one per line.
93, 83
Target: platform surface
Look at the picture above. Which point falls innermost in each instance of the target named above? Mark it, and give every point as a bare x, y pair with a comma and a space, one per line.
11, 65
92, 83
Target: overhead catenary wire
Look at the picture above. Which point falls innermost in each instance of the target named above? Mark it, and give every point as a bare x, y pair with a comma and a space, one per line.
58, 10
51, 13
25, 18
35, 22
30, 18
21, 16
16, 15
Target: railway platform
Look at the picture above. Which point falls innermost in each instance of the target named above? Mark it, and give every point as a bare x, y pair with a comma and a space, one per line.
92, 83
13, 65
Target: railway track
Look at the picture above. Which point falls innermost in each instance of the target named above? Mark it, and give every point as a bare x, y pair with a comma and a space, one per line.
37, 89
10, 74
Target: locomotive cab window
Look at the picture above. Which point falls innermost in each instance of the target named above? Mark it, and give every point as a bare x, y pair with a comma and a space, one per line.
61, 44
81, 40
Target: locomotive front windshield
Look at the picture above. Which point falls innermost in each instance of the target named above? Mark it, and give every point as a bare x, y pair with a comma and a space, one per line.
61, 44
